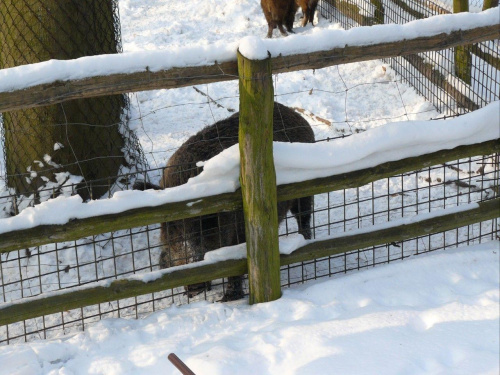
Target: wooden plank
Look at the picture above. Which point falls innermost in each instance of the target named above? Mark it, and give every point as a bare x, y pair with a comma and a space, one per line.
352, 11
408, 9
487, 57
68, 299
61, 91
80, 228
487, 210
438, 79
258, 178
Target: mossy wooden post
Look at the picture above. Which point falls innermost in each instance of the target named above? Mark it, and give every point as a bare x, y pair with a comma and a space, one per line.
258, 178
487, 4
379, 11
463, 57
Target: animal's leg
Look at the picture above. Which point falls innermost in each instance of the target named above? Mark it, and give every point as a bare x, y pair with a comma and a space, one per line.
305, 18
301, 209
234, 289
178, 245
311, 9
282, 30
193, 290
290, 17
271, 27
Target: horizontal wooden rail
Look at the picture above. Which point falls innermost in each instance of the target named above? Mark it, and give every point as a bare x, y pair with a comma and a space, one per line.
437, 78
365, 176
68, 299
61, 91
80, 228
487, 210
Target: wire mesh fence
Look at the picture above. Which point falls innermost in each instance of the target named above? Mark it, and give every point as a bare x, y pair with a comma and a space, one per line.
53, 267
48, 268
435, 75
49, 147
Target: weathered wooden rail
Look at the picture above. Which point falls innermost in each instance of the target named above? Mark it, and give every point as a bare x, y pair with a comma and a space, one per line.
61, 91
79, 228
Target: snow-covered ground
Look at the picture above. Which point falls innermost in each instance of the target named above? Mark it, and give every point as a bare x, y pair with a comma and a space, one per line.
431, 314
436, 314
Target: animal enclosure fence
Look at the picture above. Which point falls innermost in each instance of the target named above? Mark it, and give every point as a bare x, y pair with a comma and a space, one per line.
394, 191
432, 73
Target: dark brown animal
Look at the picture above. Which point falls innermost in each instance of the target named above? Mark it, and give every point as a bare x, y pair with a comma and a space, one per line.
187, 241
279, 14
308, 9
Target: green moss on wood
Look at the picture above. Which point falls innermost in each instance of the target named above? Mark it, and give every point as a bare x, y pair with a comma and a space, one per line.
258, 178
487, 4
463, 57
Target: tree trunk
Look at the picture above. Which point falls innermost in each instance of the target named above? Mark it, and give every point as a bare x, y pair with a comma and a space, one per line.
81, 137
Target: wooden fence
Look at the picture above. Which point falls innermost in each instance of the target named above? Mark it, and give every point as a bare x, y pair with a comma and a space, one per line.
256, 96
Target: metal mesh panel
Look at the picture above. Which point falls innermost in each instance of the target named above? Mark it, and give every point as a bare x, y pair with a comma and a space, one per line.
433, 74
58, 266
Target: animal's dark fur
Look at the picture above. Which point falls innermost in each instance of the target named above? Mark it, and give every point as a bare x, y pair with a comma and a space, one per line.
308, 9
188, 240
279, 13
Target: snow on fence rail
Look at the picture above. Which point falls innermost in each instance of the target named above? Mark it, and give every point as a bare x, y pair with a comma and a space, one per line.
58, 81
482, 125
111, 290
68, 218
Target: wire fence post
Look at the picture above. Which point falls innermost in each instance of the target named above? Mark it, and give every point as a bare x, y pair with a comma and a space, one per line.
258, 178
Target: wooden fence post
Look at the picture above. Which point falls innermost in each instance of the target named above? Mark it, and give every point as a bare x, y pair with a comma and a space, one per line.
463, 57
258, 178
487, 4
379, 11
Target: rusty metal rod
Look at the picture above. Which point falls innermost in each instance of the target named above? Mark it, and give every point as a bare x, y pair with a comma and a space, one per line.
181, 366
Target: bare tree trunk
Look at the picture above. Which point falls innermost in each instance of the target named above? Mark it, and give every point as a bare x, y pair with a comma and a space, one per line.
81, 137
